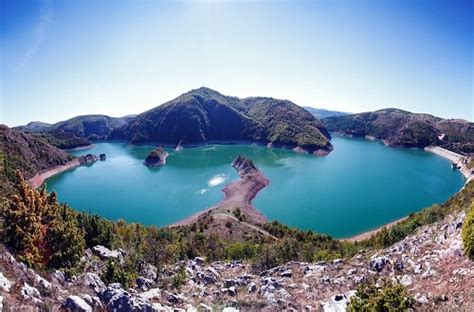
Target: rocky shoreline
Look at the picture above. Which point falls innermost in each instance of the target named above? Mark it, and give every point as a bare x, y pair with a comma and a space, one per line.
454, 158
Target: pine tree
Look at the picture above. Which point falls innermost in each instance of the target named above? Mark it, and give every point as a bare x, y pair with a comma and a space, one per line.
23, 230
42, 232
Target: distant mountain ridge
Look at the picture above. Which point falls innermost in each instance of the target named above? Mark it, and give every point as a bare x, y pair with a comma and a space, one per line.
198, 116
77, 131
321, 113
397, 127
90, 127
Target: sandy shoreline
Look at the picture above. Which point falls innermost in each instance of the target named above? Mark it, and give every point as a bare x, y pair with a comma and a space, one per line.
80, 148
239, 193
452, 156
367, 235
39, 178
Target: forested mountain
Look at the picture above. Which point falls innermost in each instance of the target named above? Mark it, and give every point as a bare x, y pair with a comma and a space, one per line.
26, 153
204, 115
198, 116
401, 128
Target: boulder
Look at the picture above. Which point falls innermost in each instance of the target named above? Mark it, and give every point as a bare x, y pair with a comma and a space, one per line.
76, 304
230, 282
455, 249
286, 273
144, 283
176, 298
406, 280
204, 307
252, 288
30, 293
5, 284
154, 293
379, 263
124, 302
93, 301
58, 277
105, 253
119, 300
213, 271
41, 283
149, 271
91, 280
102, 157
207, 279
420, 298
232, 291
338, 303
111, 291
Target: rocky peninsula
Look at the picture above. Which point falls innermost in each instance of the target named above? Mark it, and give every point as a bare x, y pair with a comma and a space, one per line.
236, 211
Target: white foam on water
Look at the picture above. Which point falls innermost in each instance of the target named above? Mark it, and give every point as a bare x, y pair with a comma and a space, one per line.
217, 180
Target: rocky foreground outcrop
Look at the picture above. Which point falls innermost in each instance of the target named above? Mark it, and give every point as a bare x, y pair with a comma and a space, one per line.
430, 263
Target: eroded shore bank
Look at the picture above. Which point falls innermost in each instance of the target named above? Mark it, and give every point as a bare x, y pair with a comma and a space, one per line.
39, 178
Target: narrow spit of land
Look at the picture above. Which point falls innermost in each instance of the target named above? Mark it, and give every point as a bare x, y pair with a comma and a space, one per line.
238, 195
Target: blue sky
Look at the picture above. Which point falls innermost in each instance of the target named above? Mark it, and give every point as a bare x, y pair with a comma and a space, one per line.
60, 59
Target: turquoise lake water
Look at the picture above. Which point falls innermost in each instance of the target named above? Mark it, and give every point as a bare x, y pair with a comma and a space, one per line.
359, 186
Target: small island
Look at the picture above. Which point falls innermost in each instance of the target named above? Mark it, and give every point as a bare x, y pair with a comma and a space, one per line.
156, 158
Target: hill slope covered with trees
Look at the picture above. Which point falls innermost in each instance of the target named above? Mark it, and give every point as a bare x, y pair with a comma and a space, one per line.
204, 115
401, 128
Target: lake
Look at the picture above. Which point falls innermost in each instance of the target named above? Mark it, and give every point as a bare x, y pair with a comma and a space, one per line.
358, 187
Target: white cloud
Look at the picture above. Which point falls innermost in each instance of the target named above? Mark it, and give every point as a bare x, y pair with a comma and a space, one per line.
46, 19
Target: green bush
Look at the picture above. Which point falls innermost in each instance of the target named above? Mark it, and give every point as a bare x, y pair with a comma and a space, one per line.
116, 273
388, 297
65, 239
240, 250
98, 231
179, 278
468, 234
